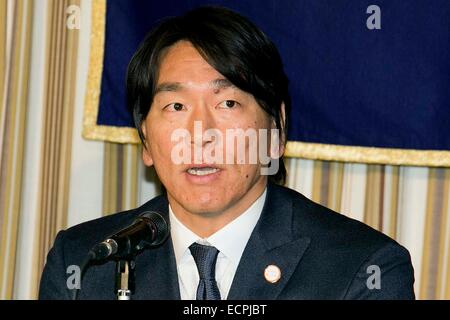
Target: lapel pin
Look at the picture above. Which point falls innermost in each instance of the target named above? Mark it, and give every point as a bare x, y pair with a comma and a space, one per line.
272, 273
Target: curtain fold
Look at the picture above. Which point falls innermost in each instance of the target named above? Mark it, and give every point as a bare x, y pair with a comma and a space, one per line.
15, 29
120, 177
59, 99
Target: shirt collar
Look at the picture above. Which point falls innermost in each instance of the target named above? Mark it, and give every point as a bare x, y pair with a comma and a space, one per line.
230, 240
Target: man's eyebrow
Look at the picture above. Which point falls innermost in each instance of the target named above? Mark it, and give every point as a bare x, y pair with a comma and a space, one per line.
168, 86
217, 85
222, 83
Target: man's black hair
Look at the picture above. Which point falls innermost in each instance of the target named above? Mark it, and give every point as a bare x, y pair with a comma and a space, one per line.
232, 45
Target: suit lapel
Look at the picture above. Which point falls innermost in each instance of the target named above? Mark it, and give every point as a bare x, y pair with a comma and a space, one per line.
271, 243
156, 274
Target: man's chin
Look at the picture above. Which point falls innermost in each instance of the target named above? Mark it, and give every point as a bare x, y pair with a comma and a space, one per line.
206, 210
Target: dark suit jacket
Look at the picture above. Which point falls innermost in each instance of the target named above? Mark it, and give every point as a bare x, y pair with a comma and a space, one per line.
321, 254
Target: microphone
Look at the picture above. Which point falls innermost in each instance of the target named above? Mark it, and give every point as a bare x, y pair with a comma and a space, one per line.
150, 229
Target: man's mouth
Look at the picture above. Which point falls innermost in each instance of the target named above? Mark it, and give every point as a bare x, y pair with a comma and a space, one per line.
202, 171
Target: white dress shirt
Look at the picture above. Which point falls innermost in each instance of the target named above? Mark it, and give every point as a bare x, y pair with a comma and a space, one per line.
230, 241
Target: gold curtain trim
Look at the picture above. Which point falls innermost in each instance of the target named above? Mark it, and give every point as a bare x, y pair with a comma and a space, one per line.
294, 149
409, 157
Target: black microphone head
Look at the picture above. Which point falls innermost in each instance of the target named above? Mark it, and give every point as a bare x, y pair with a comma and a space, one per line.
159, 225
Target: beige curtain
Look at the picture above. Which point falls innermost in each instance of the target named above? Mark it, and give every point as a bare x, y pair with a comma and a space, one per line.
16, 19
15, 26
59, 88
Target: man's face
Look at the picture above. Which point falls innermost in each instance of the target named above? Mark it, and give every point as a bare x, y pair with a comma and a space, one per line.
190, 93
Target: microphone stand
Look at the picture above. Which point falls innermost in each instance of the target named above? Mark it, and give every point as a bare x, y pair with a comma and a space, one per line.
149, 230
125, 278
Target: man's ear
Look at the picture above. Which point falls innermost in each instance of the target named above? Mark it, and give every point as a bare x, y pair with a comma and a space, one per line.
283, 125
282, 135
146, 154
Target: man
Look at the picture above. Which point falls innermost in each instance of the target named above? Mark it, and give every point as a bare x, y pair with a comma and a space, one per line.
234, 233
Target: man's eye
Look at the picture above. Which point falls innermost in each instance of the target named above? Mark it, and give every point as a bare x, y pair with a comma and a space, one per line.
174, 107
228, 104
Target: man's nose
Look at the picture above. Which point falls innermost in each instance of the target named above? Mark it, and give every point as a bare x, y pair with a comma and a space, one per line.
201, 119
